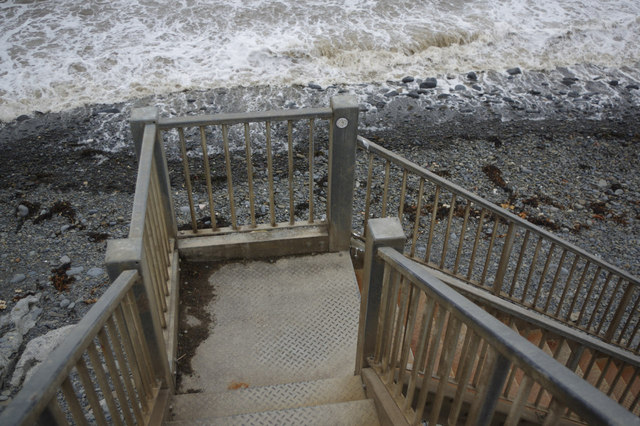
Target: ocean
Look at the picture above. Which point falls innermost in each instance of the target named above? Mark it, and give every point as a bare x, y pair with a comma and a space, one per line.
57, 55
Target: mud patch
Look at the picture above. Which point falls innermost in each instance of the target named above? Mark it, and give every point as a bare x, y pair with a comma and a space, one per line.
195, 294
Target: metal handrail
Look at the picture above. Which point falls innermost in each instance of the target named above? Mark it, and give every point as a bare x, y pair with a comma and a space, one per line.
619, 318
372, 147
38, 394
511, 349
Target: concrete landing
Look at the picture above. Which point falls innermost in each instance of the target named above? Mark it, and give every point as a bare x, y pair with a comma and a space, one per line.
291, 320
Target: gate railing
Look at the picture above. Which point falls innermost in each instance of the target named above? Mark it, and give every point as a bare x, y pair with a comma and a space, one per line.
304, 174
474, 241
432, 347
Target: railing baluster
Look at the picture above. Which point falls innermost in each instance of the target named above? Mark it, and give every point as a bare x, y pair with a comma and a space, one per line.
492, 241
311, 152
523, 248
187, 179
423, 345
101, 378
596, 308
445, 244
609, 305
115, 373
467, 361
532, 269
578, 289
137, 368
604, 372
444, 366
73, 403
385, 188
207, 175
472, 260
431, 359
414, 297
616, 379
481, 360
432, 225
384, 308
627, 389
621, 310
92, 396
543, 275
272, 204
592, 362
132, 315
367, 201
567, 284
392, 306
416, 225
491, 384
399, 329
555, 280
290, 152
588, 298
403, 193
505, 257
134, 399
517, 406
227, 158
247, 143
465, 221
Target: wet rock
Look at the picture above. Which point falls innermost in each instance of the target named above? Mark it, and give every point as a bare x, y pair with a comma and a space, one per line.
407, 79
36, 351
613, 83
633, 87
472, 76
413, 94
476, 87
391, 94
460, 87
514, 71
429, 83
315, 86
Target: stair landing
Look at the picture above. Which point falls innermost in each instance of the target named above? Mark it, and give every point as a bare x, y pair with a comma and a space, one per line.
290, 320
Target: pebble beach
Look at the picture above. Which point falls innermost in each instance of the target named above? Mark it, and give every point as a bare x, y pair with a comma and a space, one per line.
569, 140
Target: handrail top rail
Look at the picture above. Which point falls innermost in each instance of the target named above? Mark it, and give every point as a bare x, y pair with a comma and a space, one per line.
39, 389
370, 146
588, 401
243, 117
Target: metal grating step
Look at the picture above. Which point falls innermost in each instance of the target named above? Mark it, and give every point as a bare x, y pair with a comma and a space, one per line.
353, 413
267, 398
292, 320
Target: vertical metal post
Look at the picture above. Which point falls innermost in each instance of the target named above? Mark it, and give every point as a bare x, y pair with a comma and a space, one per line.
140, 117
385, 232
342, 160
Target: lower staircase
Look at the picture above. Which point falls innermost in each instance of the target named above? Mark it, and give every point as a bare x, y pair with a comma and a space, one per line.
281, 349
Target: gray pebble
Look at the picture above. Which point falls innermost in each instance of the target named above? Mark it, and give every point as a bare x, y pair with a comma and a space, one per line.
71, 305
602, 183
619, 192
18, 278
95, 272
23, 210
75, 271
65, 259
64, 228
64, 303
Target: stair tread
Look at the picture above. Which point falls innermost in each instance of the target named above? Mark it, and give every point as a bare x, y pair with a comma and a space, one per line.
352, 413
267, 398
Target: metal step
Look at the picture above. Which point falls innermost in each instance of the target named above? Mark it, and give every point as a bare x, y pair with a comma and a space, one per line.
353, 413
266, 398
291, 320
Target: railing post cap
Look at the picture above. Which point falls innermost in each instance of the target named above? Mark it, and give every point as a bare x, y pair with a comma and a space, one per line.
144, 114
344, 101
385, 229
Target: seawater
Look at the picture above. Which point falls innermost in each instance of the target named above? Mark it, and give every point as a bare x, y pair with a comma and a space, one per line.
56, 55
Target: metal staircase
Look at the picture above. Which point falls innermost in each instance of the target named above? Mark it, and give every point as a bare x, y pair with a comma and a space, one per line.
281, 349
